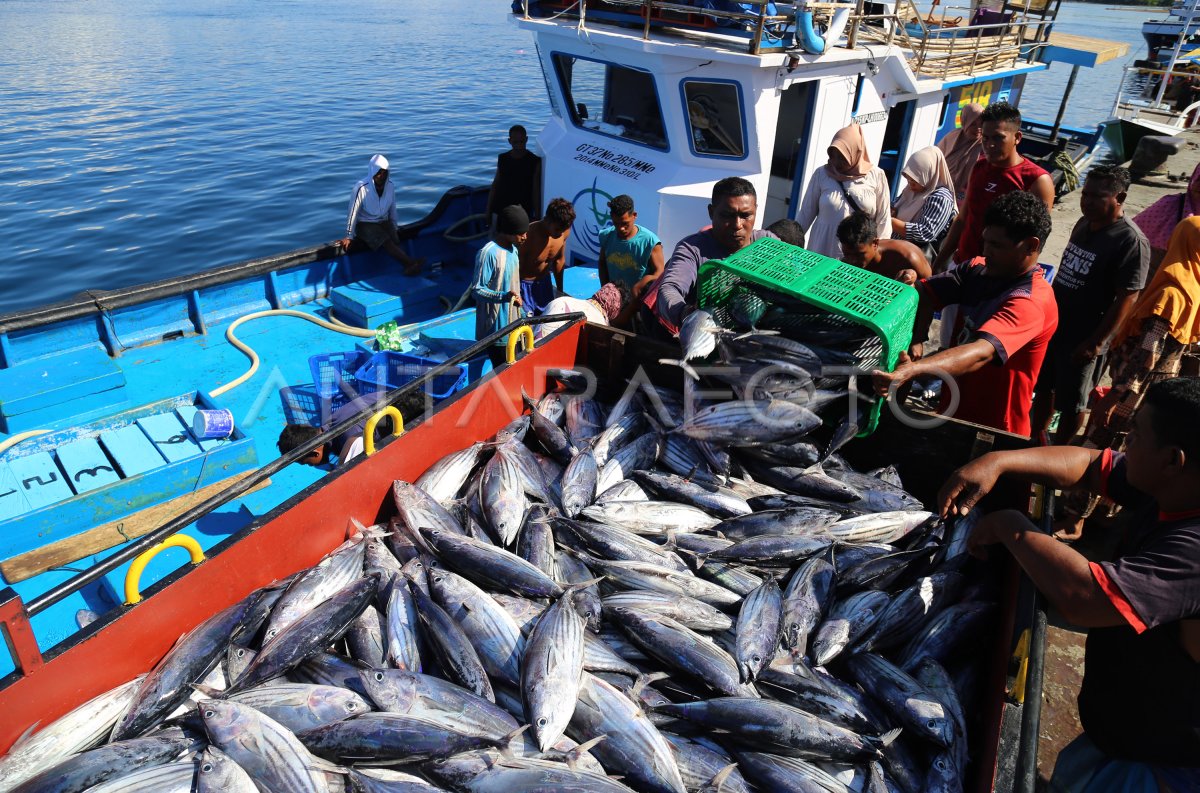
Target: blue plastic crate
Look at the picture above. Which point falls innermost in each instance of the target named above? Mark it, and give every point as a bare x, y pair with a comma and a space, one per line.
391, 370
333, 372
303, 405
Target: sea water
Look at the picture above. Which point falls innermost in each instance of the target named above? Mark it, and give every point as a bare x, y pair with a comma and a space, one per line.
143, 140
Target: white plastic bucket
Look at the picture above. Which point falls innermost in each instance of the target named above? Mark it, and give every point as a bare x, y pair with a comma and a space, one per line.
213, 423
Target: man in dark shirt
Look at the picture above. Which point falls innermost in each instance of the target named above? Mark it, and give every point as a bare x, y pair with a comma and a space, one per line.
1102, 271
1140, 699
732, 211
518, 177
1006, 317
347, 445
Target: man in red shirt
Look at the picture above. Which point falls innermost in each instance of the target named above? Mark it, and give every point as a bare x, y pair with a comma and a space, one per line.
1001, 170
1007, 315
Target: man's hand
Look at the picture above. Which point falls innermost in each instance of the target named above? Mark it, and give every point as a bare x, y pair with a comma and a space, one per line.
916, 350
344, 244
907, 276
966, 486
885, 381
515, 298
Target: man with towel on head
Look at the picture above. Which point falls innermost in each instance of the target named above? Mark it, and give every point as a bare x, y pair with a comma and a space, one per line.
372, 220
606, 307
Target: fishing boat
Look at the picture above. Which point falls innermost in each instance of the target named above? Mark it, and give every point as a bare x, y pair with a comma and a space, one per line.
1161, 35
99, 395
128, 642
1158, 95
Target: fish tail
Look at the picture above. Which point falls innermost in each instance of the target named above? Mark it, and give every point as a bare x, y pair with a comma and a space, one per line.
684, 365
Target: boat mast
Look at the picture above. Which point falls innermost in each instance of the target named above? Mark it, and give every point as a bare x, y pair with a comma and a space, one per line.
1183, 35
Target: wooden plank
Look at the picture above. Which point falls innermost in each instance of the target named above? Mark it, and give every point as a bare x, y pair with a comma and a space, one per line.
40, 479
110, 535
86, 465
12, 500
133, 451
170, 436
186, 414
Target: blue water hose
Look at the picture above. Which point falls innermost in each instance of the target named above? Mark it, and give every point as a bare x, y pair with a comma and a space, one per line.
812, 43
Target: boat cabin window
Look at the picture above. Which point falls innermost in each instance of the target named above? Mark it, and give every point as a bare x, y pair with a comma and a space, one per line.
714, 114
612, 99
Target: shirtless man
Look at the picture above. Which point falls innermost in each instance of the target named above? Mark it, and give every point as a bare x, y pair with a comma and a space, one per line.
544, 253
897, 259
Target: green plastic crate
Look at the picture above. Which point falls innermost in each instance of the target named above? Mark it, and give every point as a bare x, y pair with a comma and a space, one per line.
887, 307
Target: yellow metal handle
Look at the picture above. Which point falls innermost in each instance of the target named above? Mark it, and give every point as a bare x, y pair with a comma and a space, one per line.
369, 430
133, 578
1021, 656
523, 332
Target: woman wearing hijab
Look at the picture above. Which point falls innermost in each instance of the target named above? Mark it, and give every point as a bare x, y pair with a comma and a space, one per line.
962, 148
846, 184
1159, 220
927, 207
1147, 349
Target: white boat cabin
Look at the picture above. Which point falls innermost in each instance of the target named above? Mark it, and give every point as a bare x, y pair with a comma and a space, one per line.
660, 100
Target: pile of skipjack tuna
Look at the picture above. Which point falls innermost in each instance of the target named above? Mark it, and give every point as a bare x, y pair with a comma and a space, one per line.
585, 603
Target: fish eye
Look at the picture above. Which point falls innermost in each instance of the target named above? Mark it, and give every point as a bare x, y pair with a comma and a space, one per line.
379, 676
756, 658
206, 768
542, 722
351, 705
209, 713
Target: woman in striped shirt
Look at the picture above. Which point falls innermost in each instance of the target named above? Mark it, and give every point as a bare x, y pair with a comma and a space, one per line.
926, 208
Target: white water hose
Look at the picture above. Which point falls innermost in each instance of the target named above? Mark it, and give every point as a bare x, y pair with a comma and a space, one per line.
253, 356
246, 350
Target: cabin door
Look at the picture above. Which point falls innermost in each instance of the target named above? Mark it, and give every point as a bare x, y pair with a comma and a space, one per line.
791, 150
895, 144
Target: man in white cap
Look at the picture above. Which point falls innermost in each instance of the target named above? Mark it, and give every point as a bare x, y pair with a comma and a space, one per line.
372, 220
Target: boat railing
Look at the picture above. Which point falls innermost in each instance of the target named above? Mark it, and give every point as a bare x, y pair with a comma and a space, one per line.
1181, 7
764, 29
14, 618
1140, 92
942, 46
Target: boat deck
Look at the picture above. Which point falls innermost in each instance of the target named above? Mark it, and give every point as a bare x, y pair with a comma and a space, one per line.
280, 391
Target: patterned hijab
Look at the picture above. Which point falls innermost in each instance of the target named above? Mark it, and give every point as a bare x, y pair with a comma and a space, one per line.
1159, 220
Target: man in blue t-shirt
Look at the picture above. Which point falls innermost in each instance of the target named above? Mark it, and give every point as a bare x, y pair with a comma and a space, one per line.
629, 254
1140, 702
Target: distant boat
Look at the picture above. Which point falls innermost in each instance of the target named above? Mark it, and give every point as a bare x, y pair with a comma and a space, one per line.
1159, 95
1162, 34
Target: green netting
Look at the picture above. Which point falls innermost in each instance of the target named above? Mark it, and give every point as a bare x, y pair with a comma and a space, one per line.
850, 294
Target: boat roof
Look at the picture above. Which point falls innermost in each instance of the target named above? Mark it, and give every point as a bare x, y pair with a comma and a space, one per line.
1081, 50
